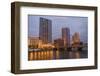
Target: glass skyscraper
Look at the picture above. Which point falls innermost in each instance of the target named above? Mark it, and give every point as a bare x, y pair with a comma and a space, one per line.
45, 30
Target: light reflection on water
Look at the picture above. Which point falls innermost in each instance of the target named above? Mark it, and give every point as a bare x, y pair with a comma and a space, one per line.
55, 54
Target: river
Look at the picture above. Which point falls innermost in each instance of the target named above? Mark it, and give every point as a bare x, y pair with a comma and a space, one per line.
56, 54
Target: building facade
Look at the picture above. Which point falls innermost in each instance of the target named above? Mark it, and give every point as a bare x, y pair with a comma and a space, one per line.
45, 30
34, 42
66, 36
76, 38
59, 43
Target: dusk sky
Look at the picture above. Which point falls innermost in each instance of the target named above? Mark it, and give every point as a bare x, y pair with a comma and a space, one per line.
75, 24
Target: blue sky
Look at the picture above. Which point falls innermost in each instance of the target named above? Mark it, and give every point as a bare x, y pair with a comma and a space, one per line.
75, 24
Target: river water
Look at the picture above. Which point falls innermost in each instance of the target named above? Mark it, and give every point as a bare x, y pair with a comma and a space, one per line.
56, 54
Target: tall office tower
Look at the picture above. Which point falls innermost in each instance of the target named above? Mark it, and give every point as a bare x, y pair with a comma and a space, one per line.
76, 38
66, 36
45, 30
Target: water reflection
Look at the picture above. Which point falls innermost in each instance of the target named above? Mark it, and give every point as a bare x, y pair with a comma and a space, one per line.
56, 54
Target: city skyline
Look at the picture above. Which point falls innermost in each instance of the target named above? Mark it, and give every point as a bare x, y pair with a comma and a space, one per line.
49, 39
75, 24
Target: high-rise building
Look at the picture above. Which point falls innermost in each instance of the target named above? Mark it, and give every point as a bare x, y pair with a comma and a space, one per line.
66, 36
45, 30
76, 38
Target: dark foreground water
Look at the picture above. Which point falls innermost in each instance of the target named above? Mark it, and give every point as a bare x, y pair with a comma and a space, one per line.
56, 54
